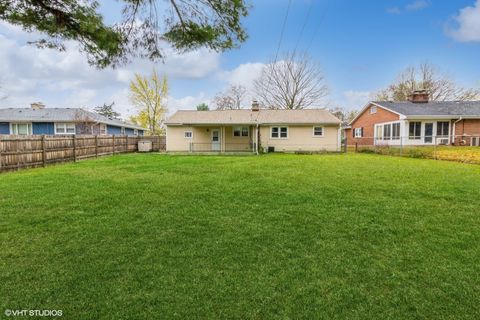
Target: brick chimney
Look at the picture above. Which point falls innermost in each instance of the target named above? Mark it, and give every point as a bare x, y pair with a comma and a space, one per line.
255, 105
419, 96
37, 105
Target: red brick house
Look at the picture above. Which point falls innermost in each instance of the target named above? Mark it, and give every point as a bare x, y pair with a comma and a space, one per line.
417, 122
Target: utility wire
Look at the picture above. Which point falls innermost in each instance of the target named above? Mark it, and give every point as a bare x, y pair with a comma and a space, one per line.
283, 30
322, 18
303, 26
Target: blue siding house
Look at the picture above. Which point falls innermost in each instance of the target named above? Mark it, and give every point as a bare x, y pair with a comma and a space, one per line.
4, 128
39, 120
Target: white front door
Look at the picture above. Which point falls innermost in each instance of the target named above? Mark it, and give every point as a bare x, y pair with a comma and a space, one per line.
216, 140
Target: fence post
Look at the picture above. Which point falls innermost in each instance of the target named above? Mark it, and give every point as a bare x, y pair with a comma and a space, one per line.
96, 146
126, 144
113, 142
401, 146
44, 158
345, 144
1, 148
356, 147
74, 148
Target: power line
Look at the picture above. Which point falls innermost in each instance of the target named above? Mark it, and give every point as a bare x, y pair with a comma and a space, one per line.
304, 25
319, 25
283, 30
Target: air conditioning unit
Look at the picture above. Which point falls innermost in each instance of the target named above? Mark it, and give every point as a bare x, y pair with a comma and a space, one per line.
144, 146
443, 141
475, 142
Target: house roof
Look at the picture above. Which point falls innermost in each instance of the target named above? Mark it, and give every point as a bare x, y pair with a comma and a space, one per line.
59, 115
247, 116
433, 108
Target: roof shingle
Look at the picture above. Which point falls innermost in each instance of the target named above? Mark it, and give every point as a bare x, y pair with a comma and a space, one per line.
59, 115
433, 108
247, 116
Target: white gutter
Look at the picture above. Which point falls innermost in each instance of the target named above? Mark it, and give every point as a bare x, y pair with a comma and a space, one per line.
256, 140
453, 129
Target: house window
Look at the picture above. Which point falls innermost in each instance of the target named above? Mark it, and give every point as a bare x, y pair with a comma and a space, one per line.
103, 129
358, 132
379, 132
395, 131
21, 128
135, 132
122, 131
414, 130
442, 128
318, 131
64, 128
387, 131
279, 132
240, 131
188, 134
373, 110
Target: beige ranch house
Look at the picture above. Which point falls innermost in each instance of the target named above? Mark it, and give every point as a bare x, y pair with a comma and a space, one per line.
253, 130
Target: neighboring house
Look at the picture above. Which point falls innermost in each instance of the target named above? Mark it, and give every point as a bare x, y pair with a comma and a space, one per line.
417, 122
38, 120
253, 130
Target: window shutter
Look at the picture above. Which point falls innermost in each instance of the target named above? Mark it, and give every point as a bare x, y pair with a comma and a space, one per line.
353, 132
361, 132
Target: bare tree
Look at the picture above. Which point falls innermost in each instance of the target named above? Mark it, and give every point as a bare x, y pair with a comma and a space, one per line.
426, 76
232, 98
296, 82
343, 114
84, 124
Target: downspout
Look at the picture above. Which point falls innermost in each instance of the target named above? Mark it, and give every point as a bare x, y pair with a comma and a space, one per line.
256, 140
453, 129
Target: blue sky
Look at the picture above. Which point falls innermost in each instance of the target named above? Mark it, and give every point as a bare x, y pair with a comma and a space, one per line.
361, 46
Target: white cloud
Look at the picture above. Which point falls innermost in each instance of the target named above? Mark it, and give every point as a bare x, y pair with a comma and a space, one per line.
410, 7
417, 5
394, 10
245, 74
64, 79
186, 103
467, 24
354, 100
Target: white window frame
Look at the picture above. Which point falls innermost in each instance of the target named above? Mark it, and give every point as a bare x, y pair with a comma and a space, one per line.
399, 137
373, 110
378, 129
389, 135
190, 132
381, 127
64, 126
357, 132
122, 131
135, 132
29, 128
318, 136
436, 128
279, 132
415, 138
240, 128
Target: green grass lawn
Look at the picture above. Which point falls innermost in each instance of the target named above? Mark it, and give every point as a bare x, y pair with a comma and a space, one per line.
277, 236
449, 153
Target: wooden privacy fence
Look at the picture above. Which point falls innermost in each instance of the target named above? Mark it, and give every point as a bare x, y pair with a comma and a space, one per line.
18, 152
